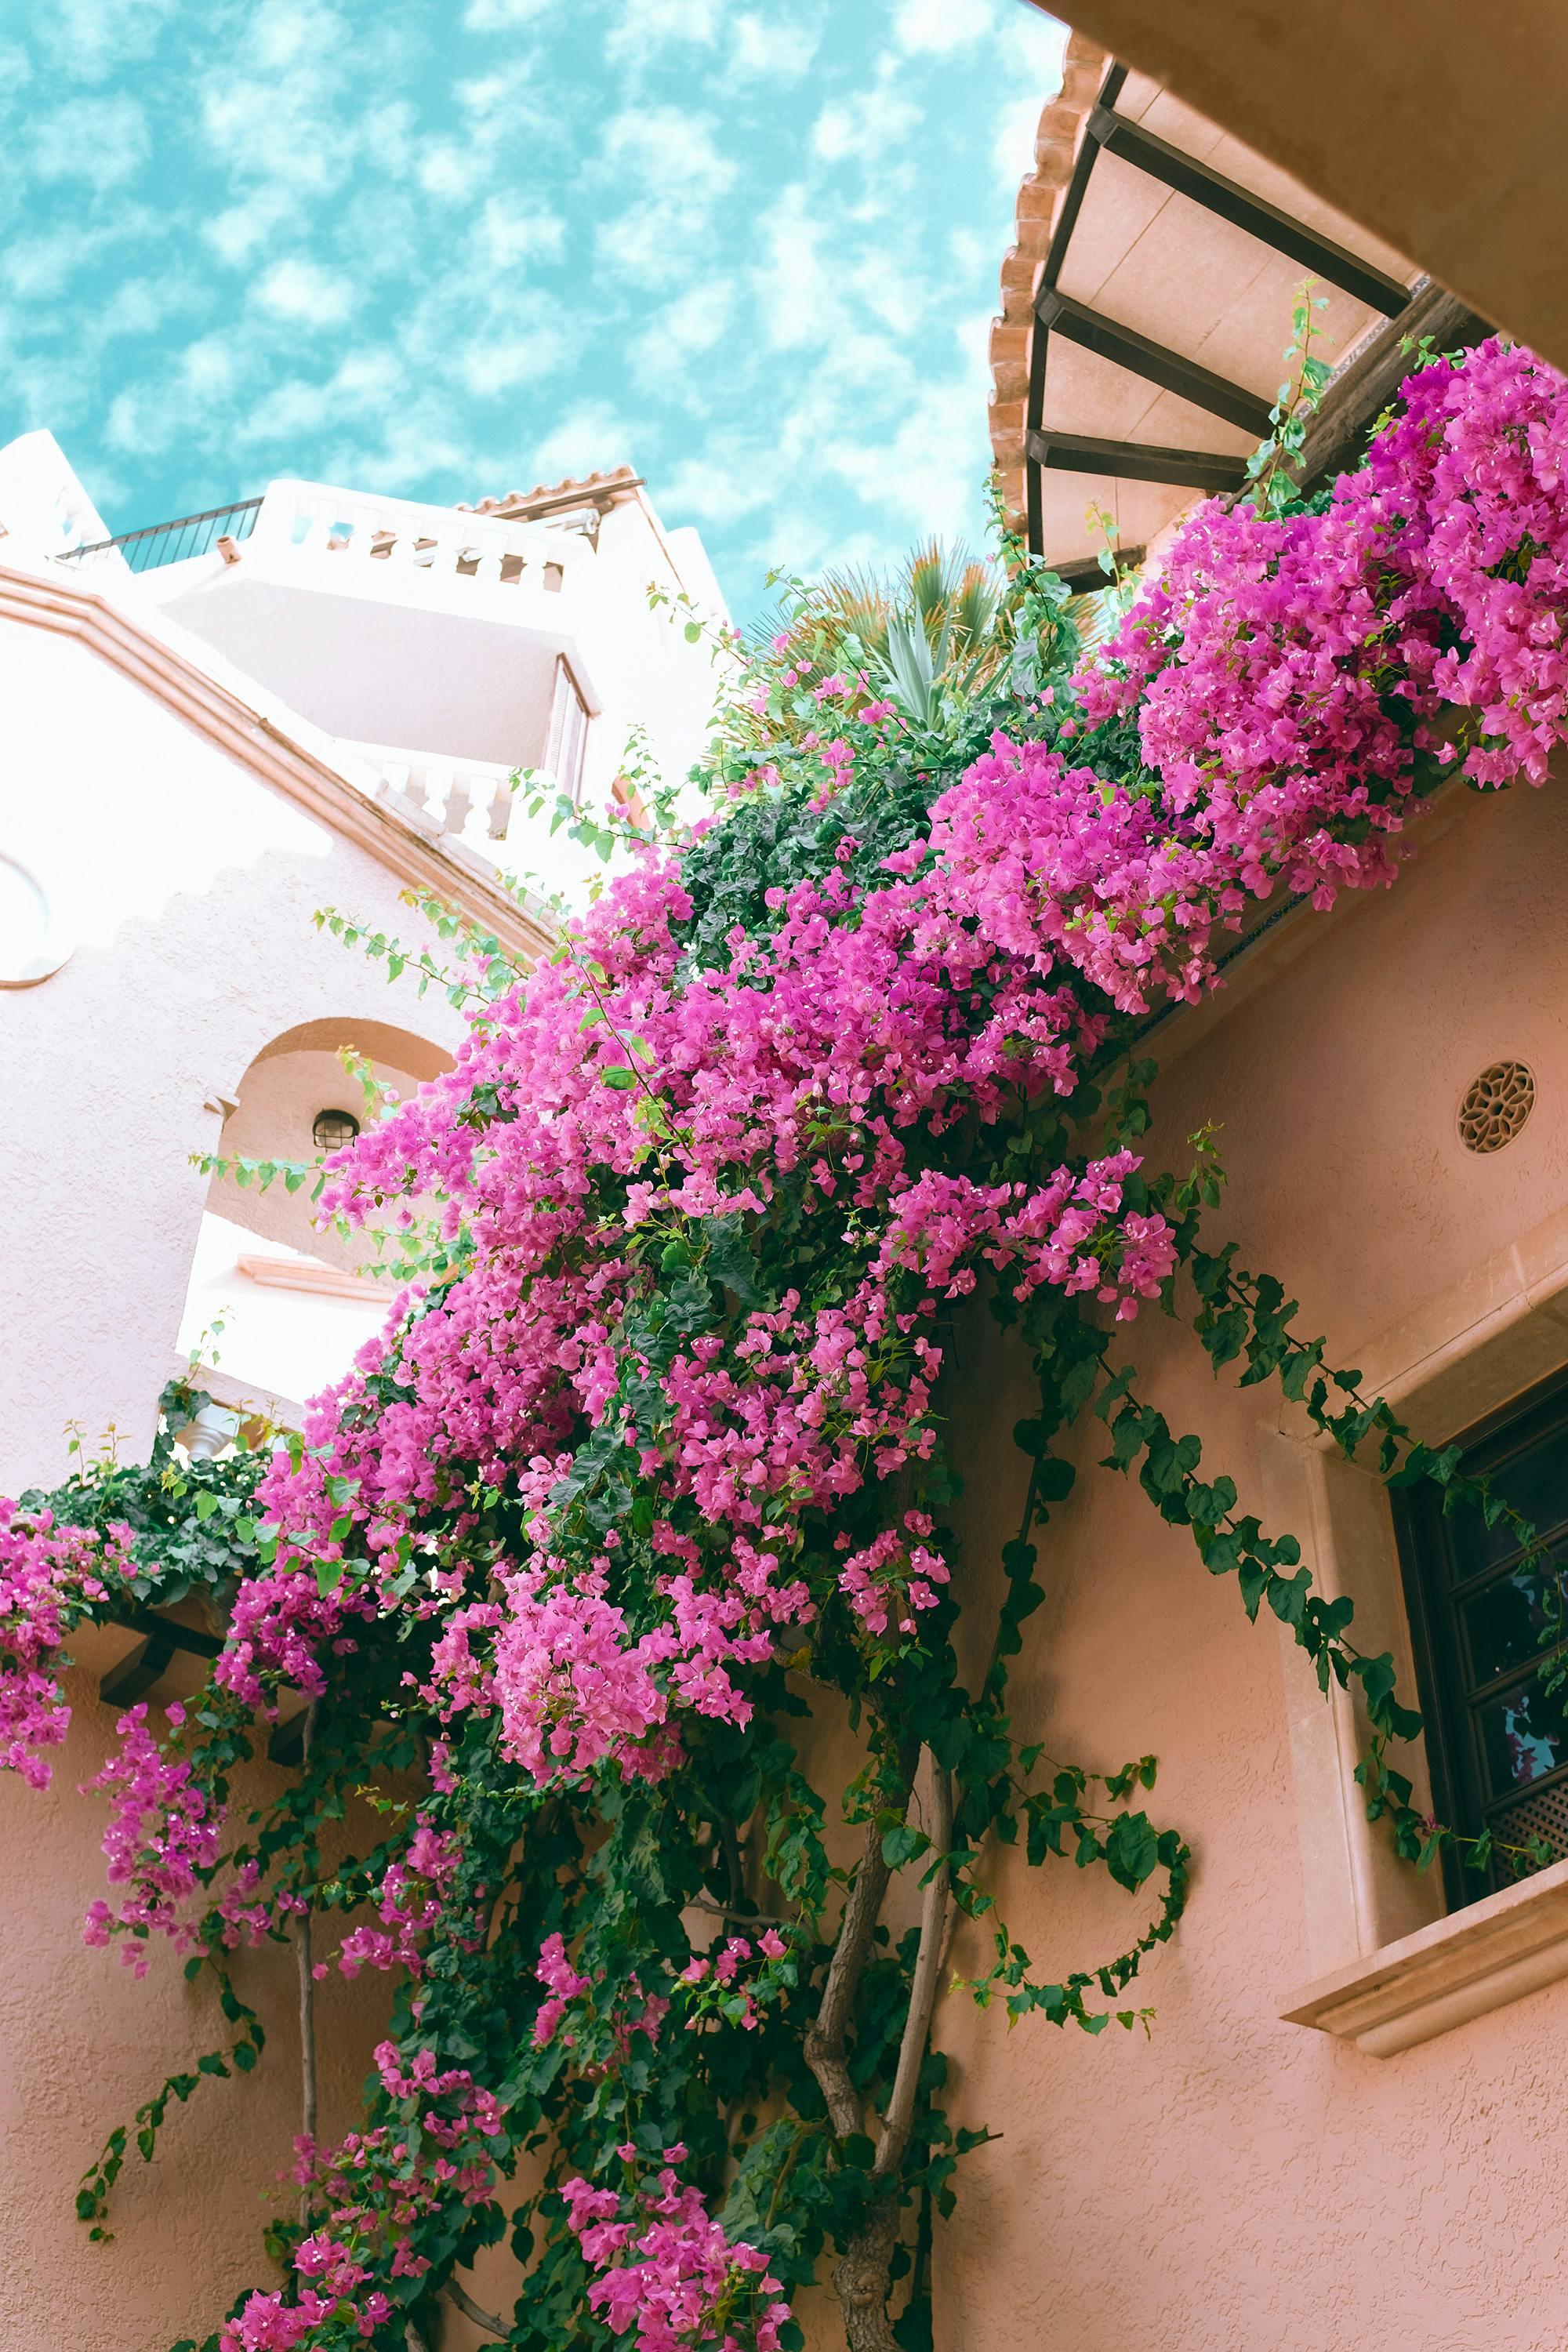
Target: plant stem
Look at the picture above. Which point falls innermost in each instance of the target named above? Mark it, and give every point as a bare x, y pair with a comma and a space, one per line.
900, 2112
863, 2274
474, 2311
307, 1994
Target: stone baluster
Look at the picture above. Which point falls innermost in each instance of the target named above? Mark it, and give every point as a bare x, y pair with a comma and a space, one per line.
318, 530
459, 800
500, 815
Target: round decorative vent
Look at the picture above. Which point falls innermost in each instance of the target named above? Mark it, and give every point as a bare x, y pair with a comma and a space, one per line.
33, 943
1496, 1106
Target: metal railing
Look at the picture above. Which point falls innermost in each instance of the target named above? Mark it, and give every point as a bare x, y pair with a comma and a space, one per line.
173, 542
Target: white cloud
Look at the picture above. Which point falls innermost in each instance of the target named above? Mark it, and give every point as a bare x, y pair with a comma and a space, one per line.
1032, 48
242, 229
505, 234
140, 423
773, 48
208, 365
492, 364
1017, 126
673, 153
644, 27
682, 330
936, 26
37, 268
136, 307
592, 436
101, 141
676, 171
924, 475
502, 15
280, 33
798, 291
302, 289
88, 39
867, 125
447, 170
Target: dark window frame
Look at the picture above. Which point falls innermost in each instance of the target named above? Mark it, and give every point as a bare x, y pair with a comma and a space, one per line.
1440, 1587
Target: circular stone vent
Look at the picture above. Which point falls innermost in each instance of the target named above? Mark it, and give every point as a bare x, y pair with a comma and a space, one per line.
1496, 1106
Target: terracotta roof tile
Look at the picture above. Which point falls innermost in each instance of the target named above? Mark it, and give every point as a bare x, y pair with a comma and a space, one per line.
589, 487
1060, 133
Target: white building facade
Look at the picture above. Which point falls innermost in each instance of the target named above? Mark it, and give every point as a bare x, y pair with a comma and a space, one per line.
209, 731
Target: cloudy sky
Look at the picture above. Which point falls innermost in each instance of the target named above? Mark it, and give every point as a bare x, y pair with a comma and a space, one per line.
444, 247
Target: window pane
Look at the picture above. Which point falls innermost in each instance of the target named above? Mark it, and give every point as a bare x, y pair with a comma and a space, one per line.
1536, 1484
1510, 1620
1523, 1735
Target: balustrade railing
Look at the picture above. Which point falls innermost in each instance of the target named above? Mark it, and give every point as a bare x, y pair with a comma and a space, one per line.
172, 543
352, 527
355, 529
469, 798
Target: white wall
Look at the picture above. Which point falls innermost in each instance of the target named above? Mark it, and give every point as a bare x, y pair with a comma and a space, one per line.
192, 886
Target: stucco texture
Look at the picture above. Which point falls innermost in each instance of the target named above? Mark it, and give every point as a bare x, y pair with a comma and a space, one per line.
191, 886
1232, 2180
83, 2043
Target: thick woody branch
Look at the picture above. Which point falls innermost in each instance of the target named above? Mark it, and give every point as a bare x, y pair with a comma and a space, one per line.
824, 2052
922, 1989
824, 2039
475, 2311
863, 2275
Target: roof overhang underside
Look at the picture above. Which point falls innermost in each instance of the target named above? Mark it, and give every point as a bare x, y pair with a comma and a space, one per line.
1148, 307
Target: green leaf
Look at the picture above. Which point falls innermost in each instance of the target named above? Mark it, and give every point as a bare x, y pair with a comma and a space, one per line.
902, 1843
1131, 1850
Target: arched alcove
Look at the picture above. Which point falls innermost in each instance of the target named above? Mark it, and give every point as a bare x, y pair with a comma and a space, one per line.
295, 1078
291, 1299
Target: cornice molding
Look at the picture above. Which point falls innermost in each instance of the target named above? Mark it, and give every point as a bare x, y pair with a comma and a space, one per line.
273, 752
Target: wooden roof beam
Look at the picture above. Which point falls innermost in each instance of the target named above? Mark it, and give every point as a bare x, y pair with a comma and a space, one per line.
1119, 135
1172, 370
1136, 461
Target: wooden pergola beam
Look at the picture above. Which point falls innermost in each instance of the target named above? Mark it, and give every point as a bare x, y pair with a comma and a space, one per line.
1135, 461
1156, 363
1119, 135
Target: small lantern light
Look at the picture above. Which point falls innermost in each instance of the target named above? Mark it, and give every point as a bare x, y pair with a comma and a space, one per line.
333, 1128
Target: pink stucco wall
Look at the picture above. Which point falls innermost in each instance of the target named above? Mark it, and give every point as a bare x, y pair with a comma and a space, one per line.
1233, 2180
83, 2043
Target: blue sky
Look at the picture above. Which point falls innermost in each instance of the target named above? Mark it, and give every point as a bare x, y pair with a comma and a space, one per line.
444, 247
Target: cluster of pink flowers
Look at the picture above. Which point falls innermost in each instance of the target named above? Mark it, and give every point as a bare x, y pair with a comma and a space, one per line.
48, 1576
1268, 661
632, 1096
162, 1841
265, 2323
369, 2194
668, 2270
410, 1902
714, 1986
572, 1997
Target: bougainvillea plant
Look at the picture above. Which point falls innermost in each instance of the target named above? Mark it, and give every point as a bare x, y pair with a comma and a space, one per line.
642, 1504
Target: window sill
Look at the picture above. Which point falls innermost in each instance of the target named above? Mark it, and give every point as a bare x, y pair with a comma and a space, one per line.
1498, 1949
